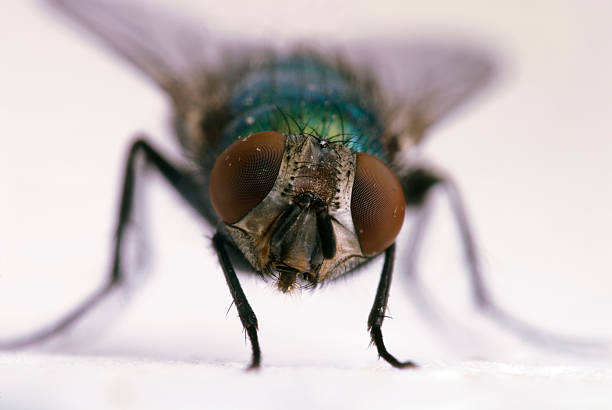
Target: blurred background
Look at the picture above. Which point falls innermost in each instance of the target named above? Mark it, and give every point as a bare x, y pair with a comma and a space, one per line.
532, 156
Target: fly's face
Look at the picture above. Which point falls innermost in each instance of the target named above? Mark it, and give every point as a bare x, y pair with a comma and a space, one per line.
304, 209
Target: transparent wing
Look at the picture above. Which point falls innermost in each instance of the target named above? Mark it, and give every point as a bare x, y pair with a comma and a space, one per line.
171, 51
422, 81
178, 54
416, 84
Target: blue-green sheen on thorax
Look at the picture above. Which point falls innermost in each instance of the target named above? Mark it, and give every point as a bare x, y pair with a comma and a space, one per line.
302, 95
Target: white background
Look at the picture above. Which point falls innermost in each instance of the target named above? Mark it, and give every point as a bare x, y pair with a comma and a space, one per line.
532, 156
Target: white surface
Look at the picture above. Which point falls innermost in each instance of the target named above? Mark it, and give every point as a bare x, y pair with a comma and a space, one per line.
122, 383
532, 157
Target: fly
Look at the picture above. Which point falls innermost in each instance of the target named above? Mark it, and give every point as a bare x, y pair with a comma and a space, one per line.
305, 158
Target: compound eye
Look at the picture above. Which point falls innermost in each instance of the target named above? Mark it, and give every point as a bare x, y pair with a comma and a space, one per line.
377, 204
244, 174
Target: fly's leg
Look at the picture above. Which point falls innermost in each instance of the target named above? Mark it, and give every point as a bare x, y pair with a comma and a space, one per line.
410, 262
417, 185
62, 324
246, 314
180, 180
377, 314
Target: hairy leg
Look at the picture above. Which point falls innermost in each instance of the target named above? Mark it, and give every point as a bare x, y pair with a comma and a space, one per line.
377, 314
246, 314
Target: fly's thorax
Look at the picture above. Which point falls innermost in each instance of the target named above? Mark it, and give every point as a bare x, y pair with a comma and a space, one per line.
302, 93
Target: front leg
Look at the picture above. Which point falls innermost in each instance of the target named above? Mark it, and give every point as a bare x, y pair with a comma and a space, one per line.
377, 314
246, 314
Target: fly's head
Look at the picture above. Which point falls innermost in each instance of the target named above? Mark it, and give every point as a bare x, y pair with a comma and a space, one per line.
302, 209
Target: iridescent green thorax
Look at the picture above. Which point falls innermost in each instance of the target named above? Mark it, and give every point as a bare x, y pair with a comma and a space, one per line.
302, 95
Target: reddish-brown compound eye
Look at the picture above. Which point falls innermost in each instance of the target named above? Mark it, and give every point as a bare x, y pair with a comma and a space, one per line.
244, 174
377, 204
